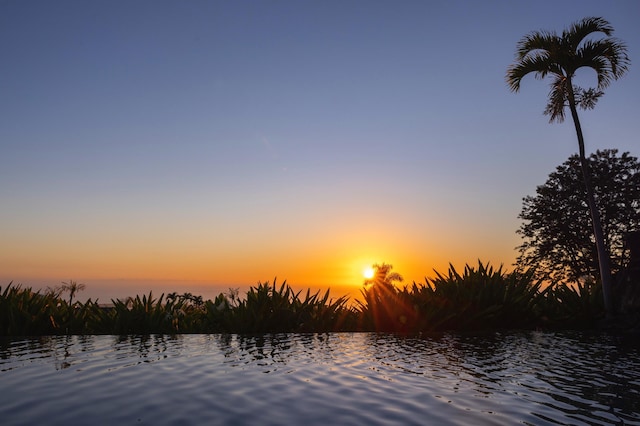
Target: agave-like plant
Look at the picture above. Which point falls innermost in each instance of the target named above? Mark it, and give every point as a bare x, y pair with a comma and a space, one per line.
480, 298
269, 309
477, 299
24, 312
321, 314
577, 306
145, 315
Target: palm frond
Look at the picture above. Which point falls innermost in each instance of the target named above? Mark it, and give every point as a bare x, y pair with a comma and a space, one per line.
534, 42
544, 53
539, 63
579, 30
607, 57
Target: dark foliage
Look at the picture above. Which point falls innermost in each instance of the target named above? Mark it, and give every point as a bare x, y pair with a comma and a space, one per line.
481, 298
557, 229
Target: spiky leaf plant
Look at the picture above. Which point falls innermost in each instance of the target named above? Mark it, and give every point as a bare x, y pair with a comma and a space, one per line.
479, 298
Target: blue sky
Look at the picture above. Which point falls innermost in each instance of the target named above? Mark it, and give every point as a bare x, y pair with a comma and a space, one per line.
226, 143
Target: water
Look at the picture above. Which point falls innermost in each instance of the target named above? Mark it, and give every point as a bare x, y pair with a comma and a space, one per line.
317, 379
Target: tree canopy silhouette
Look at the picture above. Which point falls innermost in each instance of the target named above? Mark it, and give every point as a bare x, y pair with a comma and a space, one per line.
556, 228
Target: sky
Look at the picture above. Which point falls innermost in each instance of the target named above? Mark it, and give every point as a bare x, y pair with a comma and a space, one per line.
197, 146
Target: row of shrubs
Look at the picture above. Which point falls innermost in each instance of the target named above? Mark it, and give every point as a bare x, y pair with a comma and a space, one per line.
478, 299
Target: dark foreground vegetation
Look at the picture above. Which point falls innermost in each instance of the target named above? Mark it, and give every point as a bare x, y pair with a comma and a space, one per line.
480, 298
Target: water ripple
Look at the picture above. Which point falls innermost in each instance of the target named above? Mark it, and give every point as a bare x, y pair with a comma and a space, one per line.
341, 378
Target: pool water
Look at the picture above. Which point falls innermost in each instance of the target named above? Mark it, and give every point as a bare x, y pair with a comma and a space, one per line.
528, 378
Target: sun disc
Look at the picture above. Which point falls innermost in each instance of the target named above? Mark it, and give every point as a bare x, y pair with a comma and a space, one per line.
368, 272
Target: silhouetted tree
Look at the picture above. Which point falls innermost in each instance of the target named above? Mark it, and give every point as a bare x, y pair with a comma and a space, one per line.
383, 277
72, 287
382, 307
546, 53
556, 229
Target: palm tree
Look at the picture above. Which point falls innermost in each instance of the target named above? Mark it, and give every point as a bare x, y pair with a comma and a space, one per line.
383, 278
382, 306
72, 287
545, 53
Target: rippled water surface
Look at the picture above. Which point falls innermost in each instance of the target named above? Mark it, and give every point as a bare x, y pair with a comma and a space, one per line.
342, 378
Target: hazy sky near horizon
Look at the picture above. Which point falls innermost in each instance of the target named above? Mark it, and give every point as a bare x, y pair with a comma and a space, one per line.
229, 142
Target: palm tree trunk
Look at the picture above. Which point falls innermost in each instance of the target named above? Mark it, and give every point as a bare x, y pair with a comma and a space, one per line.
603, 254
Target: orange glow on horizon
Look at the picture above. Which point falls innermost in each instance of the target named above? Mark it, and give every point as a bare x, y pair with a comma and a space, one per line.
332, 257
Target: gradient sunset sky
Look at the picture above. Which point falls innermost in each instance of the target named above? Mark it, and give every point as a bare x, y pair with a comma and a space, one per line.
201, 145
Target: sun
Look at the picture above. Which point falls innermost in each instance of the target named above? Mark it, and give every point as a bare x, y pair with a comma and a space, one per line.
368, 272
